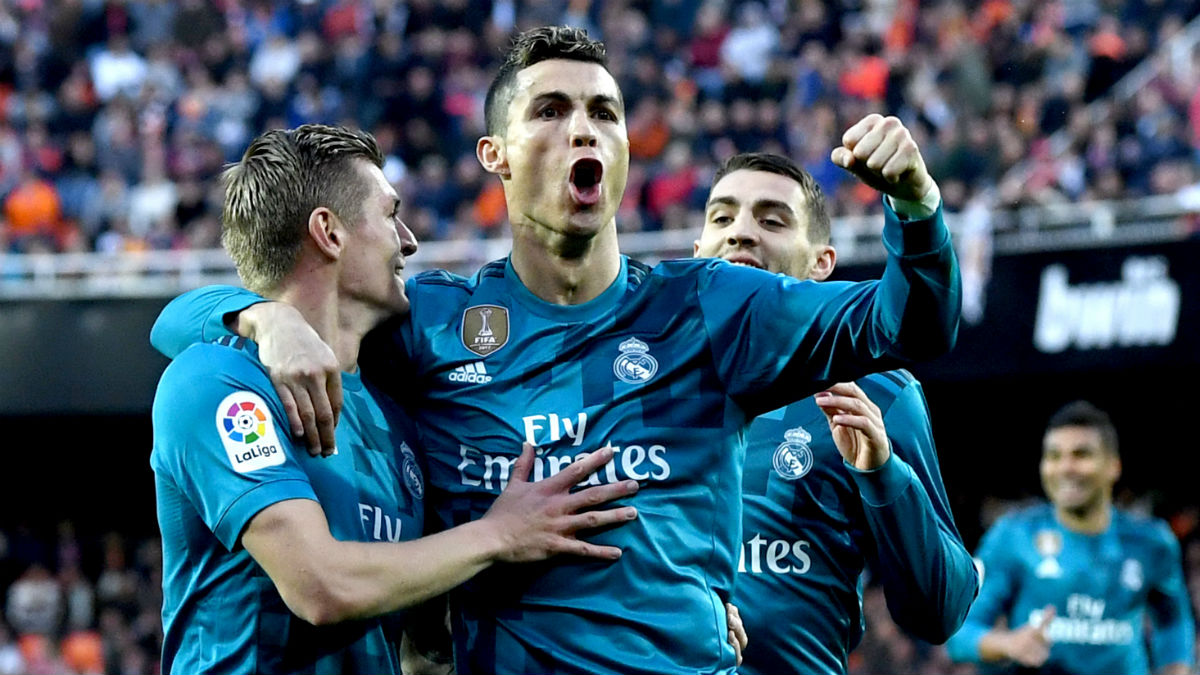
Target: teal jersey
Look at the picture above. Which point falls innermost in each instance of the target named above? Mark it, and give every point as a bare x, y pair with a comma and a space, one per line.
221, 454
812, 523
668, 365
1103, 587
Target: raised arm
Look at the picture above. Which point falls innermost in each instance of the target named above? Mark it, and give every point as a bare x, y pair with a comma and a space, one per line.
323, 580
927, 573
775, 340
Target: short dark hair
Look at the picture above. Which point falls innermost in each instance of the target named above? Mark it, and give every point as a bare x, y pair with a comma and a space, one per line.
818, 213
529, 48
283, 176
1085, 414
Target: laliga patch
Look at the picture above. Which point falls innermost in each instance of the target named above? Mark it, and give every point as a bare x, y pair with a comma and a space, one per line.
248, 433
485, 328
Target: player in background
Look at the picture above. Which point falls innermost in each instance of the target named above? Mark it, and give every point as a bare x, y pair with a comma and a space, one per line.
571, 345
1074, 583
834, 481
264, 569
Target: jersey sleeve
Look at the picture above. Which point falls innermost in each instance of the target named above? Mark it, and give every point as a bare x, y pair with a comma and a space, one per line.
928, 575
216, 437
198, 316
1173, 636
999, 576
776, 340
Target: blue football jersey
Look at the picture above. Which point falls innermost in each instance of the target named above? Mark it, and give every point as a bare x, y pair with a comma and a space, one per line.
222, 454
1103, 588
811, 523
668, 365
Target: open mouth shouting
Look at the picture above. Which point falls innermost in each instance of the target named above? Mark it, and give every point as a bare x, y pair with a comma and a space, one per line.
585, 181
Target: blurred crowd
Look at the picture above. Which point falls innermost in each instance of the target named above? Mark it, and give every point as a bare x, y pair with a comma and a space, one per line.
116, 116
90, 604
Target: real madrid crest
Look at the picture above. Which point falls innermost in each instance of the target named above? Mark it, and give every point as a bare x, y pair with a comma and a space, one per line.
1048, 543
411, 471
635, 365
485, 328
793, 458
1131, 574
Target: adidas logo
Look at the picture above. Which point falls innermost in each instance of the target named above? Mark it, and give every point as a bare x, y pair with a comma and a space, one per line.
471, 373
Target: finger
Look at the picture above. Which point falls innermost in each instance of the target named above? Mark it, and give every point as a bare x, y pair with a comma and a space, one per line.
898, 165
289, 407
842, 157
324, 417
737, 649
523, 466
579, 470
308, 419
582, 548
885, 150
869, 143
847, 403
854, 134
600, 494
333, 389
858, 422
592, 519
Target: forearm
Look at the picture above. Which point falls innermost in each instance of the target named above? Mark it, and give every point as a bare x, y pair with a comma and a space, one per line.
927, 573
367, 579
198, 316
323, 580
921, 287
994, 645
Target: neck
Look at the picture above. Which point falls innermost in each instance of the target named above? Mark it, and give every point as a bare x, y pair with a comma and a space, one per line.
1092, 519
340, 322
563, 269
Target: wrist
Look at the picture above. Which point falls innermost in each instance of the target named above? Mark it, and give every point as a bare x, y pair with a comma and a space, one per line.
246, 323
921, 208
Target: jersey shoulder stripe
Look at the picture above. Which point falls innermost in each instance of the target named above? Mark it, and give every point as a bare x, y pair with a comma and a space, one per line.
884, 388
233, 341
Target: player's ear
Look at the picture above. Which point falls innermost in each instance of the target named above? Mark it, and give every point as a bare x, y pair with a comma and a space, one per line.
825, 261
325, 231
492, 156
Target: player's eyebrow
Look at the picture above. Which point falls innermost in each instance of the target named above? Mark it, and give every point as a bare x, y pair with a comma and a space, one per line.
723, 200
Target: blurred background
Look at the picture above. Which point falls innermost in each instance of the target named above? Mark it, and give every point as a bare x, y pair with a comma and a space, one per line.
1065, 135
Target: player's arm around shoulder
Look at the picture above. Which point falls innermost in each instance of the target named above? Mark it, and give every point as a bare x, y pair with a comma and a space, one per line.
197, 316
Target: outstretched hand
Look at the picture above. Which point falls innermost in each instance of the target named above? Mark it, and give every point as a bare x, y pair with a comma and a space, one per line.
537, 520
881, 153
856, 425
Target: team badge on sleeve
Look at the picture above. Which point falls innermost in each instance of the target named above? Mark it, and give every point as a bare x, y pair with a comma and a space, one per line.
248, 433
485, 328
1131, 574
411, 471
635, 365
793, 458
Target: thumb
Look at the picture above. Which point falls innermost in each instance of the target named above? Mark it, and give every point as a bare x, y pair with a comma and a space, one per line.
1047, 618
523, 465
842, 157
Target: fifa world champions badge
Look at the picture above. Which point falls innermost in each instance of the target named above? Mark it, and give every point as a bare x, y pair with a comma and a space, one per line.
635, 365
793, 458
485, 328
